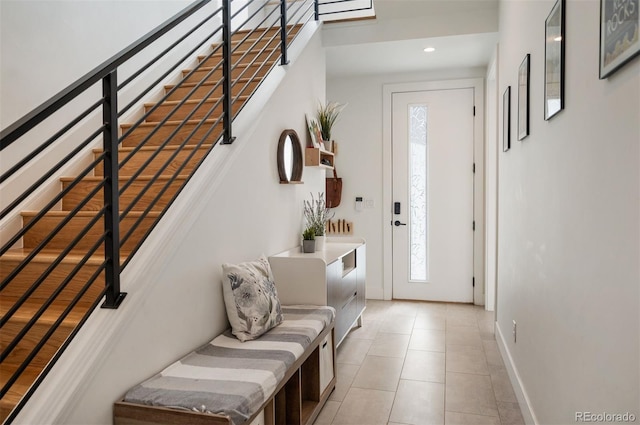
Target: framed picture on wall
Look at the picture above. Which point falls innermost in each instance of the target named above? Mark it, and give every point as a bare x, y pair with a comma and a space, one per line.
506, 119
554, 61
523, 98
314, 131
619, 39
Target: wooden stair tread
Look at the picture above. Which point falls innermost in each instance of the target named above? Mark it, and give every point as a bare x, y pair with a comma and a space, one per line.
49, 255
98, 179
81, 213
21, 386
207, 83
155, 148
256, 49
152, 124
192, 101
48, 318
241, 65
275, 28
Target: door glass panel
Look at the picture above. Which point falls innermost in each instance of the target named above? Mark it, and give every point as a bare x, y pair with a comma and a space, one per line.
418, 192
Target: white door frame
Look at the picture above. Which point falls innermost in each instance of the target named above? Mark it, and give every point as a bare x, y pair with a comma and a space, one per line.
492, 156
478, 186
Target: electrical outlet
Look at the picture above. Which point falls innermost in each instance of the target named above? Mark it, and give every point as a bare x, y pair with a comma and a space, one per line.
368, 203
515, 331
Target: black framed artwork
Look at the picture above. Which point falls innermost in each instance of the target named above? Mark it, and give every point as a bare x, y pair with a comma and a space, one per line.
506, 119
523, 98
554, 61
619, 39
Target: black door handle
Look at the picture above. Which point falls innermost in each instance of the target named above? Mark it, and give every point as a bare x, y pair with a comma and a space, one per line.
397, 223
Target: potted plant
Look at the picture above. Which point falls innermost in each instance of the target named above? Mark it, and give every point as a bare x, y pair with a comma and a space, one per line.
317, 215
308, 240
327, 116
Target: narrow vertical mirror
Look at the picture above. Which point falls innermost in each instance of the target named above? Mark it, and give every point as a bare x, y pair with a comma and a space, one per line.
288, 158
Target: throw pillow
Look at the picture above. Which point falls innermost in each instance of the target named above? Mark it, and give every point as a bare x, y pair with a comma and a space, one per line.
250, 298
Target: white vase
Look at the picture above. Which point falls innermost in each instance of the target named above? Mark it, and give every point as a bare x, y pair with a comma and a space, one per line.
320, 241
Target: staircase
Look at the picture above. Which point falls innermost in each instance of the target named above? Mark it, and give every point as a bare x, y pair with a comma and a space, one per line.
151, 173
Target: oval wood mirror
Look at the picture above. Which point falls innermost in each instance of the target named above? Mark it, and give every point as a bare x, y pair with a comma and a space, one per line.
289, 158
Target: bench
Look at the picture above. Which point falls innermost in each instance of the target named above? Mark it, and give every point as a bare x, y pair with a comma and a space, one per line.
283, 377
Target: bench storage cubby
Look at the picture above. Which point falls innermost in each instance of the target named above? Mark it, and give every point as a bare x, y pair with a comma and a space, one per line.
282, 378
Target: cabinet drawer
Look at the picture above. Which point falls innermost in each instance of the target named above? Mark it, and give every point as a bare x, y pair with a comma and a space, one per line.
348, 287
346, 317
326, 363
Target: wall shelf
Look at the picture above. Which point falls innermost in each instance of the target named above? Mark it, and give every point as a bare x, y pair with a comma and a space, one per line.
313, 157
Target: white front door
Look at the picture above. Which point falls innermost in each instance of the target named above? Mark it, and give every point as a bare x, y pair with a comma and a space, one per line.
432, 145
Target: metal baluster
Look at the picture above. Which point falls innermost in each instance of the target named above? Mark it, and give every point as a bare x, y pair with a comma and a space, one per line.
283, 32
227, 137
316, 8
111, 192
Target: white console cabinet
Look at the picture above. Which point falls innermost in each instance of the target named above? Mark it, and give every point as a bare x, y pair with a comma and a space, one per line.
335, 276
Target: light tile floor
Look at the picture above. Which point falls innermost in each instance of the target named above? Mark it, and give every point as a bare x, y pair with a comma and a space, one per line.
423, 364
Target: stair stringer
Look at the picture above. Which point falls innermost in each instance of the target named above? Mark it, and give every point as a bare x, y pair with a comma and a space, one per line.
174, 301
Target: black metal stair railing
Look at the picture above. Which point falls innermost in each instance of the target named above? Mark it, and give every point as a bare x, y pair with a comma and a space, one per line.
101, 244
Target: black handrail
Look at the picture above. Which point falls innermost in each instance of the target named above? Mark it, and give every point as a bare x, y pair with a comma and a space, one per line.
208, 121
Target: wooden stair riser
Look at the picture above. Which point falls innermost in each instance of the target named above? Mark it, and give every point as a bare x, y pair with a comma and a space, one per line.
69, 232
258, 32
29, 375
242, 87
253, 43
32, 272
261, 32
30, 340
139, 135
270, 54
203, 111
81, 190
18, 389
158, 162
241, 71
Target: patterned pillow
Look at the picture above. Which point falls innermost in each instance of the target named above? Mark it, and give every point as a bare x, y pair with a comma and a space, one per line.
251, 298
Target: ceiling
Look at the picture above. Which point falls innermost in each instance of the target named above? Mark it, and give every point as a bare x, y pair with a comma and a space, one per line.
459, 51
463, 32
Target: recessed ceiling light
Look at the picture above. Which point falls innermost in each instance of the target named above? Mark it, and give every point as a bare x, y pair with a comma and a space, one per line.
430, 49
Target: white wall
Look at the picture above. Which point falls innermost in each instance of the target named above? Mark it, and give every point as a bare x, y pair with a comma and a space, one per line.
235, 210
47, 45
358, 132
569, 217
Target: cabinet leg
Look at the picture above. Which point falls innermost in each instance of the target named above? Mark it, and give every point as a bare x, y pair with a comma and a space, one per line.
360, 321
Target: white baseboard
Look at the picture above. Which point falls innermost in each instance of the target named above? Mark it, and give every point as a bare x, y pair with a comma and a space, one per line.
521, 394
